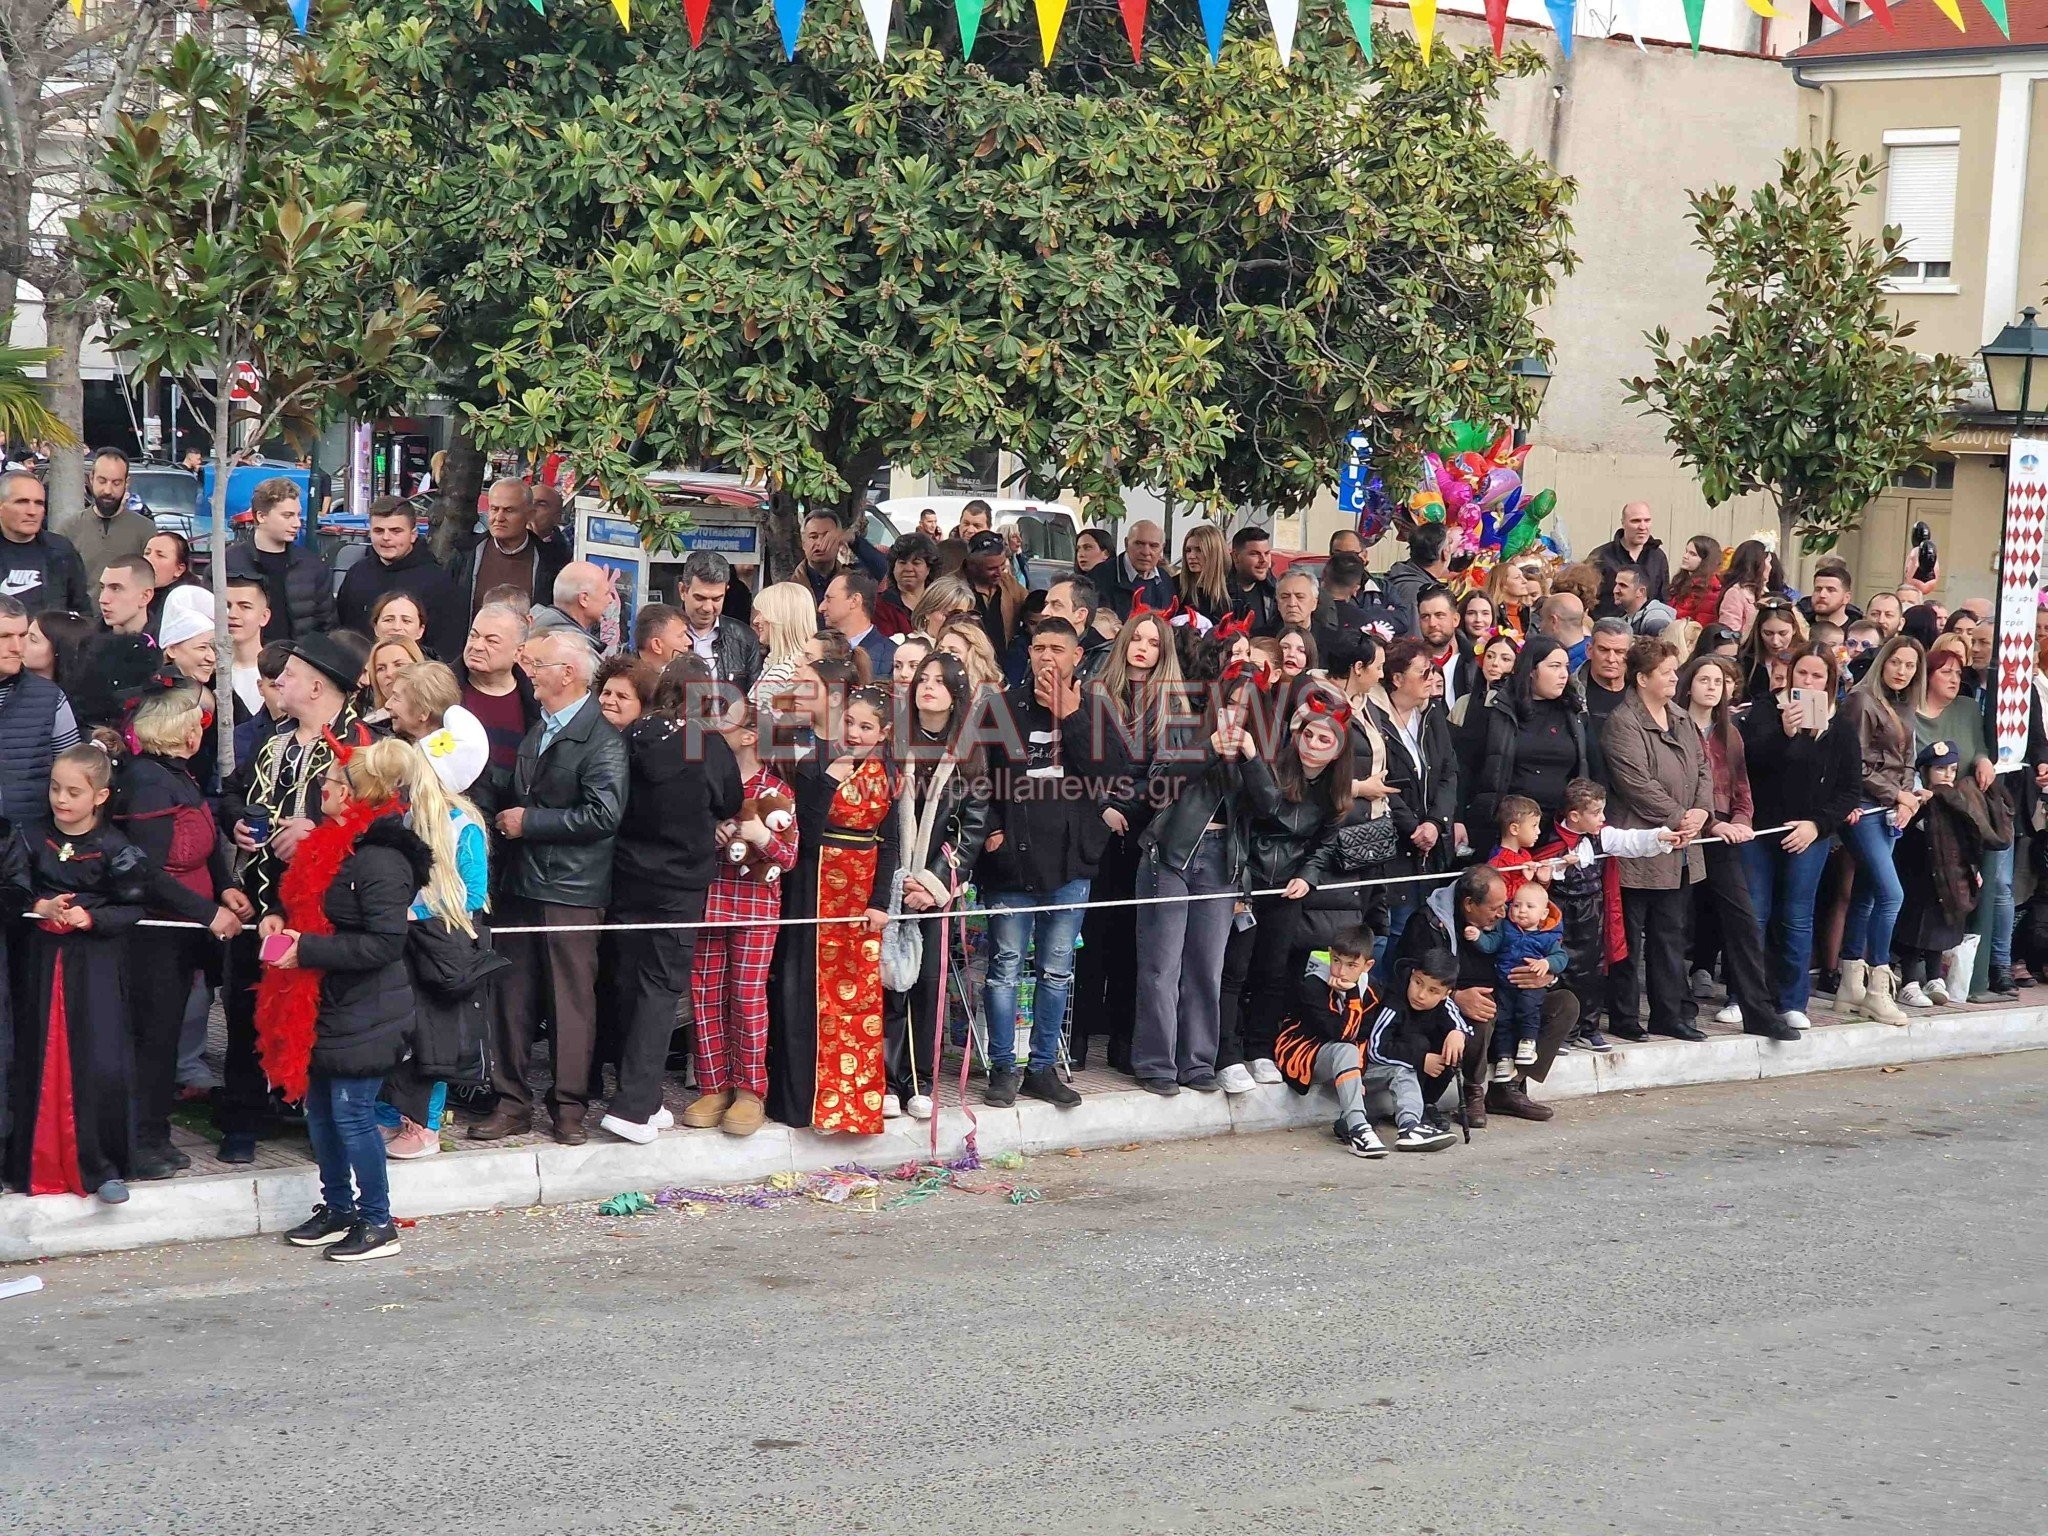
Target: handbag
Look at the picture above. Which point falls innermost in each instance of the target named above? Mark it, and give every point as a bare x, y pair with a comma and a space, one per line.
1364, 845
902, 942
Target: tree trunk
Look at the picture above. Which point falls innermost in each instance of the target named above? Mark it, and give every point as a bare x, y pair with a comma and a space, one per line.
223, 421
461, 482
64, 323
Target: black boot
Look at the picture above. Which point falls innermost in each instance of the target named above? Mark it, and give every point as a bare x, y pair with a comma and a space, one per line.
2003, 984
1044, 1083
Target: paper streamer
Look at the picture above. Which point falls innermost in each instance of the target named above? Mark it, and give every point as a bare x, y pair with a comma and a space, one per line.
1134, 27
969, 14
696, 12
1953, 12
1497, 24
1050, 14
789, 20
1564, 19
1424, 12
1284, 14
1360, 13
625, 11
877, 14
1214, 14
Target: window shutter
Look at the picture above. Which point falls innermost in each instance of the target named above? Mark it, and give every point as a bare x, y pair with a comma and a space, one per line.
1920, 198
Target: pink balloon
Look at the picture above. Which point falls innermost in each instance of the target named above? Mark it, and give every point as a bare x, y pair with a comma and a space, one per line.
1499, 485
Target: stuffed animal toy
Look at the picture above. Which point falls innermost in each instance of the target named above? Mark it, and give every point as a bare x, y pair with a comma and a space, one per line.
778, 814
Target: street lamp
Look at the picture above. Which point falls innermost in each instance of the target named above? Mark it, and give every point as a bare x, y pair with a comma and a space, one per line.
2016, 367
1532, 383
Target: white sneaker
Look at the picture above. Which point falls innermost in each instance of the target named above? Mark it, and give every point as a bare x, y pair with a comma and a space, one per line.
1730, 1014
1266, 1070
919, 1107
1937, 991
664, 1119
1424, 1138
1503, 1071
892, 1107
1236, 1079
1798, 1020
1525, 1053
628, 1130
1911, 996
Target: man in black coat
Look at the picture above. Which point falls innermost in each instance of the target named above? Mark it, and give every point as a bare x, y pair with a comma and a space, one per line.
568, 798
300, 585
1250, 583
399, 562
1138, 573
1479, 900
39, 569
1632, 548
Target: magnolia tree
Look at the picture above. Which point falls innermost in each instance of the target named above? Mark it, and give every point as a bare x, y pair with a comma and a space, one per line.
1178, 275
1804, 390
217, 239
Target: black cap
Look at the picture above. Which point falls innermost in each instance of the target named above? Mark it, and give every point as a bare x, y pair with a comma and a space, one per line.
327, 656
988, 542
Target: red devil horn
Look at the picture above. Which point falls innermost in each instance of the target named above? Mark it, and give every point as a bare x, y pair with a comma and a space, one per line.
1237, 624
343, 751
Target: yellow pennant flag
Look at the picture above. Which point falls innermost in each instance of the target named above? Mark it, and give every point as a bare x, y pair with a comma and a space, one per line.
1050, 14
1424, 12
1953, 12
625, 10
1765, 9
78, 9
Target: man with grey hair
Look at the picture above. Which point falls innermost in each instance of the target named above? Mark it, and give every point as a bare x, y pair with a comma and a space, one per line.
1603, 683
509, 554
1140, 573
582, 593
497, 693
39, 568
727, 646
567, 797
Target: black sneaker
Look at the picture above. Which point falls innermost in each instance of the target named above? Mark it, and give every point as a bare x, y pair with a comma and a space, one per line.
1592, 1040
1829, 982
1003, 1083
1165, 1087
365, 1242
321, 1228
1360, 1141
1203, 1082
1422, 1138
1044, 1083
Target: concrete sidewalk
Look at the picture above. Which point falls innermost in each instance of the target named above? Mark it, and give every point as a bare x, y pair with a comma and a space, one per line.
254, 1201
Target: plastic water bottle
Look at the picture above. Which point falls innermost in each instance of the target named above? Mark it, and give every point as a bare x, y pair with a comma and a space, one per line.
1027, 995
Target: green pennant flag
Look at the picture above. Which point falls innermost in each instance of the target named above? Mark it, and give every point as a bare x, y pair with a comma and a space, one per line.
1996, 10
1695, 13
1360, 12
969, 12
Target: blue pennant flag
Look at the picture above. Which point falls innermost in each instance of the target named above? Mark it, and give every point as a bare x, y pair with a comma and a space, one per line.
299, 10
1214, 14
789, 16
1563, 16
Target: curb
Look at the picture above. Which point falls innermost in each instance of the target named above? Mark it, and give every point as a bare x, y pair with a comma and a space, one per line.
242, 1205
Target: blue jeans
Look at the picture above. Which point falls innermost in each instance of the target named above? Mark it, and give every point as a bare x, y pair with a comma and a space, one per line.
1995, 914
341, 1121
1782, 889
1052, 936
1874, 907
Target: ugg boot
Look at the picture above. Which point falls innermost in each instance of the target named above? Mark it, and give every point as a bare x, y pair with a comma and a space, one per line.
1855, 982
745, 1115
1880, 996
708, 1110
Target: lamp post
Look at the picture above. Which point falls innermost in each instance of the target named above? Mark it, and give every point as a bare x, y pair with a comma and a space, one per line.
1532, 382
2016, 369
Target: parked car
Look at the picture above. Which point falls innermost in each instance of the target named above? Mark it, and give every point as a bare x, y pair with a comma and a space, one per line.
170, 493
1047, 527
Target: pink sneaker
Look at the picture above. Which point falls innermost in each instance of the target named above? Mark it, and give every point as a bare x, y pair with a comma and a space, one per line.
413, 1140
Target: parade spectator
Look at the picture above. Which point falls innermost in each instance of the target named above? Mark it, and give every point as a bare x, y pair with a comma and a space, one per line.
1251, 588
661, 634
625, 690
1139, 574
1828, 602
1436, 623
1422, 768
727, 646
1885, 611
1745, 586
998, 595
509, 556
1425, 566
387, 659
1633, 605
1632, 548
827, 550
127, 584
300, 585
849, 607
1535, 742
106, 527
36, 725
1203, 581
495, 690
1696, 590
39, 568
248, 612
785, 618
913, 562
1093, 548
1880, 710
1776, 633
399, 562
581, 595
1562, 616
1074, 599
56, 642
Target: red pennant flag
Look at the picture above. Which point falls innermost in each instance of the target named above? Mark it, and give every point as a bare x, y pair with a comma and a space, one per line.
697, 12
1134, 25
1883, 10
1497, 24
1830, 12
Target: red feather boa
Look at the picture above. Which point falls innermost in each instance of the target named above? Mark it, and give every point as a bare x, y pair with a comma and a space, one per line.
288, 1002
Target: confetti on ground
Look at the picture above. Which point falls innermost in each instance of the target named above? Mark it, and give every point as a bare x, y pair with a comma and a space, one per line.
852, 1185
630, 1203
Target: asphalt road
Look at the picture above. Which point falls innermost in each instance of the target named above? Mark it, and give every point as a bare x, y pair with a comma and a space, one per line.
1803, 1305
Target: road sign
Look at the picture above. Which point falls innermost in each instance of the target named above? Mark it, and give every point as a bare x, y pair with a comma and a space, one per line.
243, 382
1352, 478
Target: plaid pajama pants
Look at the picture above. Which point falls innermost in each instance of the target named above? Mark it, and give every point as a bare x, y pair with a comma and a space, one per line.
729, 988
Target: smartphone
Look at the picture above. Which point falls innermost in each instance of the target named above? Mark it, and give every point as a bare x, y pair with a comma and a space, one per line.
1809, 709
276, 947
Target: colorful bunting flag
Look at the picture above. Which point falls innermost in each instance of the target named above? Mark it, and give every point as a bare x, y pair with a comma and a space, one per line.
1695, 13
1284, 14
1951, 10
1134, 27
1830, 12
1563, 18
1629, 19
789, 20
969, 13
539, 5
1050, 14
877, 14
696, 12
78, 10
1360, 12
1497, 24
1883, 11
1769, 12
1424, 12
300, 9
1214, 14
625, 10
1996, 10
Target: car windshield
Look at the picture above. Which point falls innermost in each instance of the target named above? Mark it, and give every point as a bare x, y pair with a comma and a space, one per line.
165, 490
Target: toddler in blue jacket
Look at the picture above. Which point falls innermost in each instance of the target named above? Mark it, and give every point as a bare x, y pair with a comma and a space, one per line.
1528, 932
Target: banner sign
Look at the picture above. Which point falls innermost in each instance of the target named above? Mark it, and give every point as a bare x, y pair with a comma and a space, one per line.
2019, 587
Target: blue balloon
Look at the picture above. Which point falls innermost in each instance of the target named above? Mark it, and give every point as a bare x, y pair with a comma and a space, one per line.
1514, 500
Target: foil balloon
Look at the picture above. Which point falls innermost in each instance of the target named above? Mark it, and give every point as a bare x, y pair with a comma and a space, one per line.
1540, 505
1498, 486
1469, 437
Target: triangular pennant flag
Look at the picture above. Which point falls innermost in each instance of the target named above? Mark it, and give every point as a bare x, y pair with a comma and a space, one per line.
969, 14
877, 14
1497, 24
1830, 12
1628, 18
696, 12
625, 10
1134, 27
1996, 10
1050, 14
1424, 12
1948, 8
1563, 18
539, 5
1284, 14
1883, 11
300, 8
78, 10
1360, 12
1769, 12
789, 21
1695, 13
1214, 14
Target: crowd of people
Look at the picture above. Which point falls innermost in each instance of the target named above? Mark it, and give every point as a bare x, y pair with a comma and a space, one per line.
1408, 836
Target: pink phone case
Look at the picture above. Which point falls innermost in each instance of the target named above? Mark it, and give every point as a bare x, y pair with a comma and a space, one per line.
276, 947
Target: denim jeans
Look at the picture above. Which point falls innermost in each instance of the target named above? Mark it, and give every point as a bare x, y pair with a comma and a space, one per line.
1874, 907
1051, 935
1180, 946
1994, 915
341, 1122
1783, 888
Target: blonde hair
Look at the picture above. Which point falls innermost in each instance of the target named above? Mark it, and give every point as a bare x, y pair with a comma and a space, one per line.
391, 769
165, 721
791, 614
430, 686
1209, 591
983, 670
945, 597
389, 642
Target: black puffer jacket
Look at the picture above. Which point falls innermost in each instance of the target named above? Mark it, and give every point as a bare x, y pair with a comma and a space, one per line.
575, 798
1510, 725
366, 996
683, 782
305, 606
1287, 838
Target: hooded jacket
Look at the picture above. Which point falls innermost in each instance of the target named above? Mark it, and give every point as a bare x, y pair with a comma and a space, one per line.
1401, 1034
303, 604
414, 572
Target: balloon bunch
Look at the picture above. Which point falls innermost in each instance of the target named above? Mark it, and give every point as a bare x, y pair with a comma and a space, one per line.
1473, 485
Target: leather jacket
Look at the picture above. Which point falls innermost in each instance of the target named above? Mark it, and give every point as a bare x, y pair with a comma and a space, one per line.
1203, 790
1286, 838
575, 798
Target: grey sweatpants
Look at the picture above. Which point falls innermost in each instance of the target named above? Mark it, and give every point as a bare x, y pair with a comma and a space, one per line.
1341, 1064
1399, 1079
